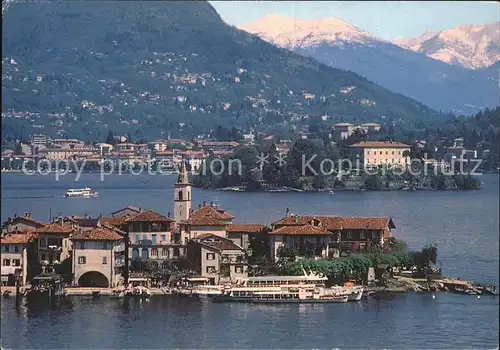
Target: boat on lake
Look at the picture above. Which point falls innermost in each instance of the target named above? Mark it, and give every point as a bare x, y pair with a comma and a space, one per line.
287, 289
298, 296
80, 192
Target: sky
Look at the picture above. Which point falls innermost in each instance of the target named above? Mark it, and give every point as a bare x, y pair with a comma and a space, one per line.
388, 20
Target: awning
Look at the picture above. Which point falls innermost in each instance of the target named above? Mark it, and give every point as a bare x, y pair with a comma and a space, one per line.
8, 270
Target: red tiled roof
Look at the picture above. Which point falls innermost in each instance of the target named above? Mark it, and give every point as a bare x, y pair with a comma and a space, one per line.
130, 207
379, 144
208, 216
300, 230
148, 215
113, 221
338, 222
16, 238
250, 228
55, 228
29, 219
97, 234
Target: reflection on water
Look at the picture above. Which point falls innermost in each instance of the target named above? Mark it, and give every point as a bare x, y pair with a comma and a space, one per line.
170, 322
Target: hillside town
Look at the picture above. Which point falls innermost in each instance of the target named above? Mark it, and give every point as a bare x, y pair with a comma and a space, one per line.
362, 142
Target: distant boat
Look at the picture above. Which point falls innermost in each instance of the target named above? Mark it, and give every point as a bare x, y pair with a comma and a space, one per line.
81, 192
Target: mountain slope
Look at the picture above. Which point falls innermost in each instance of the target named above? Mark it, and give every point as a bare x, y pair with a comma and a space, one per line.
341, 45
150, 67
469, 46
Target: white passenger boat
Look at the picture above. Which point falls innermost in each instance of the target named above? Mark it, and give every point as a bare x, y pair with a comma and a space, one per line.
81, 192
288, 288
207, 291
298, 296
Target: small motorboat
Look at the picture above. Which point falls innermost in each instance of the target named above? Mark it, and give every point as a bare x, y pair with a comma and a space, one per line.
117, 294
6, 294
96, 294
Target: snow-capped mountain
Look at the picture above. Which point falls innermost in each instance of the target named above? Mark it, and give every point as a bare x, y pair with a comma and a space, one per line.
470, 46
290, 33
341, 45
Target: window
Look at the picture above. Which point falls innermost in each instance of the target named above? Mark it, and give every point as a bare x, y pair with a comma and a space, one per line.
176, 252
374, 234
163, 238
349, 234
42, 243
367, 152
6, 262
164, 252
153, 238
386, 153
238, 269
210, 269
82, 260
180, 195
392, 152
16, 262
380, 152
155, 227
81, 245
16, 249
105, 245
144, 237
144, 253
210, 256
104, 260
154, 252
136, 238
6, 249
362, 235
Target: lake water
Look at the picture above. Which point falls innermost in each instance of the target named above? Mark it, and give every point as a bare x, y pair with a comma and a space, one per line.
464, 225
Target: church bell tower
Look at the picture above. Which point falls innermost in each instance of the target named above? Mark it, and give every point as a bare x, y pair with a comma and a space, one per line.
182, 196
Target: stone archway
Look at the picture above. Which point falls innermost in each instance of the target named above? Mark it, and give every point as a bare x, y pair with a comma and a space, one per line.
93, 279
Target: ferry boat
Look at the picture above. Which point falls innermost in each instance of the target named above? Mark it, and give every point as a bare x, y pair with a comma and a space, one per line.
81, 192
288, 287
207, 291
297, 296
245, 289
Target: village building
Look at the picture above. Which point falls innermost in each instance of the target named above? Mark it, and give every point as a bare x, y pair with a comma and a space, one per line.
22, 223
54, 243
217, 258
208, 218
241, 234
377, 153
342, 131
15, 248
328, 236
151, 236
98, 257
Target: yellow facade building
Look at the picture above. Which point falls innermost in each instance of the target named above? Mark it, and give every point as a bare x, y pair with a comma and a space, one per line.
375, 153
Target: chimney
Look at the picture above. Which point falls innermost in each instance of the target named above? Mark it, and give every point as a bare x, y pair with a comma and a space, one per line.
27, 215
211, 204
204, 203
287, 212
168, 214
199, 206
15, 215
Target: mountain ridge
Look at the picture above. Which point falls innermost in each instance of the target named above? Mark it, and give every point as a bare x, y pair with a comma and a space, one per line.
136, 67
433, 82
470, 46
